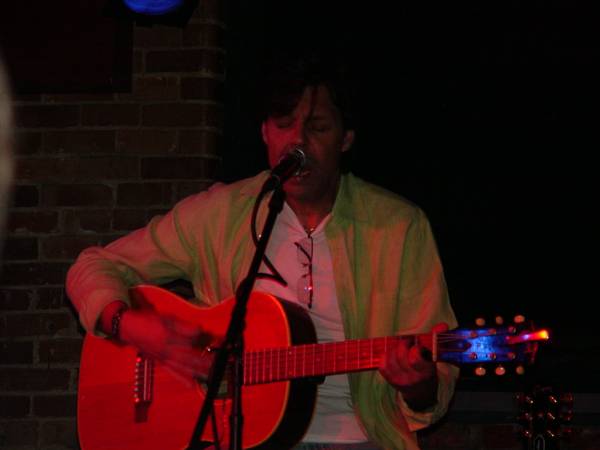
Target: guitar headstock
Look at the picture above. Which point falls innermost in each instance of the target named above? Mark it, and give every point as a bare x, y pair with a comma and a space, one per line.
544, 413
502, 345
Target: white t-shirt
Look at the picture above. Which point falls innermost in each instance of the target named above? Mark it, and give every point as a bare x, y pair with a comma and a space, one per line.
334, 419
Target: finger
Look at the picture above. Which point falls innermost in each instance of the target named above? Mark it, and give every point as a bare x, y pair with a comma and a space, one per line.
440, 327
399, 354
186, 329
188, 369
180, 373
197, 362
417, 359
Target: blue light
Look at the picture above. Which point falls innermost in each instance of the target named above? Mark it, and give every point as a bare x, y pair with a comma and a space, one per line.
153, 7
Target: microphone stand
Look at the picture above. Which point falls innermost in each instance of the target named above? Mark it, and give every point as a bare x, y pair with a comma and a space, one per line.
234, 340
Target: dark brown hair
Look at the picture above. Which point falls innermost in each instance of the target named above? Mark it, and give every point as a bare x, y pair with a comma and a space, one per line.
288, 73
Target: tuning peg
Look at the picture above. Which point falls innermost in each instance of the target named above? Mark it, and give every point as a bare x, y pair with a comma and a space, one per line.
500, 370
525, 418
566, 433
480, 371
519, 370
480, 322
519, 319
552, 399
499, 320
524, 399
550, 434
566, 398
527, 434
566, 416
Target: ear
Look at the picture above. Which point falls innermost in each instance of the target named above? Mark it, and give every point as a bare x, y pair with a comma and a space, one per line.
263, 131
348, 140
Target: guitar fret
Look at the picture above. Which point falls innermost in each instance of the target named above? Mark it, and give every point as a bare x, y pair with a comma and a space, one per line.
277, 366
266, 365
266, 368
361, 355
304, 362
248, 368
325, 368
271, 365
244, 365
294, 354
257, 362
256, 367
261, 365
347, 356
385, 340
334, 357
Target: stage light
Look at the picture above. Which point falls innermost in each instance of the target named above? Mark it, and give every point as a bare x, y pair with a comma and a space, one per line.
153, 7
150, 12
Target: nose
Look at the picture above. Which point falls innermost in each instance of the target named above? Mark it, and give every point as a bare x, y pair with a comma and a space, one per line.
298, 133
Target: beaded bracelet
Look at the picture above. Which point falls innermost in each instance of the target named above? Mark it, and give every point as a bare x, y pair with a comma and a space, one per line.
116, 323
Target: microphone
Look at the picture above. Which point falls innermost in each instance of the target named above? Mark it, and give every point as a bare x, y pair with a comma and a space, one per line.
289, 165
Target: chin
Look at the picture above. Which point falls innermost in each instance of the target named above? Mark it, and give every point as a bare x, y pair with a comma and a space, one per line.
298, 188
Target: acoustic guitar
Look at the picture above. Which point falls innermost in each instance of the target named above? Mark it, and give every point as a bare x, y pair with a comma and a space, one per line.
129, 401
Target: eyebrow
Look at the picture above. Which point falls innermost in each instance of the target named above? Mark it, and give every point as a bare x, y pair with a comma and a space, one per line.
317, 118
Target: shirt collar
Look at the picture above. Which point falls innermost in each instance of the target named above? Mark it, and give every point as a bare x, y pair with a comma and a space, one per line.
349, 204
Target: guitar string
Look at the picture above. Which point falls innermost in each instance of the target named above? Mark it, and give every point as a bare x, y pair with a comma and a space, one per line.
287, 356
312, 349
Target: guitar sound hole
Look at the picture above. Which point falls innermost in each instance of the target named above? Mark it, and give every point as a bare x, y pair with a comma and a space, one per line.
223, 391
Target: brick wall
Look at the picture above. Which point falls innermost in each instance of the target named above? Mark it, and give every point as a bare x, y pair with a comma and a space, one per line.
89, 169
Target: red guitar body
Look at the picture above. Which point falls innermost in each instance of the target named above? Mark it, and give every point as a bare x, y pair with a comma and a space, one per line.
162, 412
129, 401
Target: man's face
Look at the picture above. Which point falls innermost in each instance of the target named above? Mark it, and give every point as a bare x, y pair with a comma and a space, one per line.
315, 124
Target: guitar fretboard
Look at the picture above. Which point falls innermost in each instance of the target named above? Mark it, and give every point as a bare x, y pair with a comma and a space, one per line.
311, 360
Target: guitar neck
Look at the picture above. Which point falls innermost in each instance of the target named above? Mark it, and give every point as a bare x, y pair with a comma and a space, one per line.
315, 360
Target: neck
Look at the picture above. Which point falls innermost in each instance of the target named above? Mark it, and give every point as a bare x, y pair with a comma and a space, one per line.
309, 216
312, 205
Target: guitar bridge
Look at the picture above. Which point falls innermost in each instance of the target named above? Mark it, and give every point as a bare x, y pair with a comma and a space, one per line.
144, 376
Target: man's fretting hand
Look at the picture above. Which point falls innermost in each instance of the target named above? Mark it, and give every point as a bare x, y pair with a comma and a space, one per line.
411, 372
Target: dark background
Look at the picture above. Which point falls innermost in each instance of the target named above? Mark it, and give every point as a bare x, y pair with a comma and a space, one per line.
485, 115
65, 47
